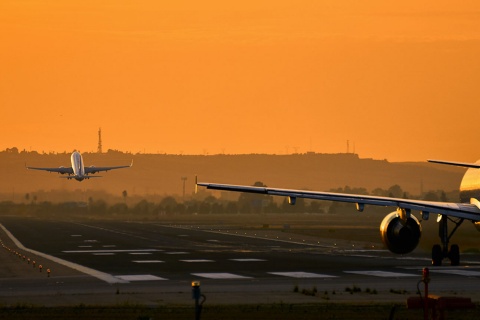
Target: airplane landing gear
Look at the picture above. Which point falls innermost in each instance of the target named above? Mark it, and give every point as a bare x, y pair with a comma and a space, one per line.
441, 252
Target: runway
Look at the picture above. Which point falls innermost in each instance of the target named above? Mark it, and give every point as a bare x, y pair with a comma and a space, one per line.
149, 257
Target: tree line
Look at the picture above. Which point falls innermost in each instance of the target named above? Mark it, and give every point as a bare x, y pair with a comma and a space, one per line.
205, 203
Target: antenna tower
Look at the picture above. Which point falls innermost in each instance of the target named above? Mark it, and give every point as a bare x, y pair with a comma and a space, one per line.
99, 140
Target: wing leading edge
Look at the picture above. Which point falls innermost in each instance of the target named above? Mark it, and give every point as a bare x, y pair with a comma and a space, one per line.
459, 210
93, 169
62, 170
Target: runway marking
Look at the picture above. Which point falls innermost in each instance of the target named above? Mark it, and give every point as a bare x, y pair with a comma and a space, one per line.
103, 254
301, 274
84, 246
139, 253
176, 252
220, 276
94, 273
140, 277
383, 274
197, 260
109, 246
148, 261
248, 260
468, 273
110, 251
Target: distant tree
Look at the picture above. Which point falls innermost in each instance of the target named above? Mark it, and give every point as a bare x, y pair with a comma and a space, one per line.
443, 196
431, 196
254, 203
169, 205
395, 191
118, 208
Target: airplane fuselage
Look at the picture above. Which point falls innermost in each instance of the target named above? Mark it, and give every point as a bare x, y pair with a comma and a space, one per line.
77, 166
470, 185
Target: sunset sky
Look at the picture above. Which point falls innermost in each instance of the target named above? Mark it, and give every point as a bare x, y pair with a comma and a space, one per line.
400, 80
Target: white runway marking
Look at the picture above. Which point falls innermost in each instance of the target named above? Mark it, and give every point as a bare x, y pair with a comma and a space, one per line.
220, 276
383, 274
139, 277
84, 246
148, 261
301, 274
139, 253
176, 252
109, 246
197, 260
94, 273
104, 254
248, 260
110, 251
468, 273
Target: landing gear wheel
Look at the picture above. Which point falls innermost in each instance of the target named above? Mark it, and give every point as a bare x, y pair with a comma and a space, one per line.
437, 255
454, 255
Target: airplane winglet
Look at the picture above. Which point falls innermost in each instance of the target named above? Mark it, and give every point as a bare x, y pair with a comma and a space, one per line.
196, 184
131, 164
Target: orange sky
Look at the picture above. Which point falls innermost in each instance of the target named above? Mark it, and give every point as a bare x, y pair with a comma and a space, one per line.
400, 81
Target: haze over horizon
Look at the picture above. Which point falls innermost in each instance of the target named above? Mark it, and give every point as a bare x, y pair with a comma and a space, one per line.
397, 80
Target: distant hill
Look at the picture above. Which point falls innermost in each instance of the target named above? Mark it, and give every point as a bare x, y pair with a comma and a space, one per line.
161, 174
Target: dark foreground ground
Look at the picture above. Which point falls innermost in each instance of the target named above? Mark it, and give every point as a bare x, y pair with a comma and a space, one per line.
251, 311
288, 305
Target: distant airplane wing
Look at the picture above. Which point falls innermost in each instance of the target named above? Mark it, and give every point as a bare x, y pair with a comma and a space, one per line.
93, 169
62, 170
459, 210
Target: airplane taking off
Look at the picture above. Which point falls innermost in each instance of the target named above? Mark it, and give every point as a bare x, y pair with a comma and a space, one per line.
78, 171
400, 230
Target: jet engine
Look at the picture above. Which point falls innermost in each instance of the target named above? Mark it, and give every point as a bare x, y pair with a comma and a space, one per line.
400, 236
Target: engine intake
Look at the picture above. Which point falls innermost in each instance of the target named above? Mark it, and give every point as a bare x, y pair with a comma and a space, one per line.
400, 236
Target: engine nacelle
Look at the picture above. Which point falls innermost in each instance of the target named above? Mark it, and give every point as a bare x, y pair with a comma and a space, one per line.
400, 236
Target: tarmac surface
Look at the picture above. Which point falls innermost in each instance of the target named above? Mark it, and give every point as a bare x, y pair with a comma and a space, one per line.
152, 263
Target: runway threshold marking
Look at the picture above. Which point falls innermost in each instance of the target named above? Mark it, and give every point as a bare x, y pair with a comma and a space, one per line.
221, 275
301, 274
382, 274
140, 277
460, 272
111, 251
176, 252
197, 260
248, 260
92, 272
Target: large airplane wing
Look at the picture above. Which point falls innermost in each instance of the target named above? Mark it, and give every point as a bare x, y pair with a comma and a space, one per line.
93, 169
458, 164
459, 210
62, 170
